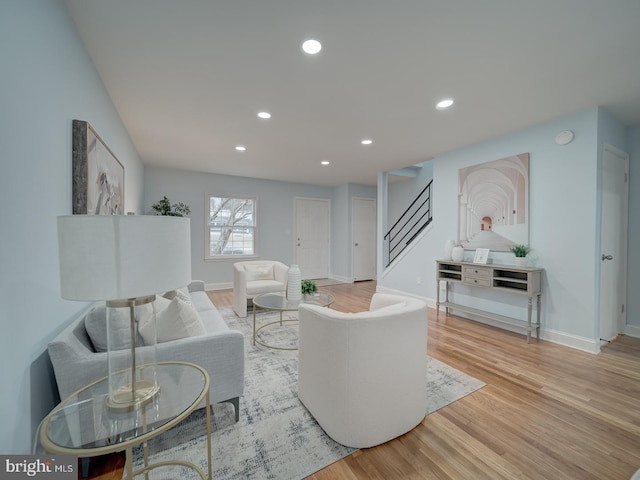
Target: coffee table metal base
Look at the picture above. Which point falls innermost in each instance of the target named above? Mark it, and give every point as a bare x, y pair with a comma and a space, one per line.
276, 302
257, 340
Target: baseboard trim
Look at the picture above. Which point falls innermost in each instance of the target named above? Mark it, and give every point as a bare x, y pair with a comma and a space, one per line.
561, 338
382, 289
632, 330
218, 286
338, 278
574, 341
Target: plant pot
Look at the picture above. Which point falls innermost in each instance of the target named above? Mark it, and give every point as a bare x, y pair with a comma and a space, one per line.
521, 262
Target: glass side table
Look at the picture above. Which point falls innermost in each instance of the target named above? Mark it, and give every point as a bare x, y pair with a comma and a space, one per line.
280, 303
83, 425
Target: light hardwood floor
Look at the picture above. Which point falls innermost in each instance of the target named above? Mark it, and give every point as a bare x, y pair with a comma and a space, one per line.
547, 411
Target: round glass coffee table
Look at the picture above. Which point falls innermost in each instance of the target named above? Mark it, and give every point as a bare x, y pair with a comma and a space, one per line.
83, 425
280, 303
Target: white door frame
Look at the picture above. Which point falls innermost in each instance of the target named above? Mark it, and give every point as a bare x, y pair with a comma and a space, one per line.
623, 254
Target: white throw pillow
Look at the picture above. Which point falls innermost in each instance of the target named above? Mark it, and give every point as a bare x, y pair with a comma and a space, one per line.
96, 325
145, 314
259, 272
177, 320
182, 293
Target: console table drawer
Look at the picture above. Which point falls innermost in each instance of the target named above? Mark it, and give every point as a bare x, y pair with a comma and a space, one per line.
476, 276
477, 281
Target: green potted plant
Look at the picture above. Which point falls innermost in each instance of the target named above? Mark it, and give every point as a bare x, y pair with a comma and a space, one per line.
308, 287
164, 207
521, 251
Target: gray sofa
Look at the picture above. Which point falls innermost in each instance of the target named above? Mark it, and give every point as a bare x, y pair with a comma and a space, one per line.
220, 351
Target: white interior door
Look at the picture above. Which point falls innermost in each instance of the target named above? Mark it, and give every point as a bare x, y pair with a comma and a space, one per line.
613, 239
363, 221
312, 236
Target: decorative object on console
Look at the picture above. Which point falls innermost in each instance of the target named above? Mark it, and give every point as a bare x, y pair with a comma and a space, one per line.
521, 252
448, 247
98, 176
481, 256
308, 287
164, 207
125, 260
457, 253
294, 283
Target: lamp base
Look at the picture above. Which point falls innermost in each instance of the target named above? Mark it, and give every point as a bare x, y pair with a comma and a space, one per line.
127, 398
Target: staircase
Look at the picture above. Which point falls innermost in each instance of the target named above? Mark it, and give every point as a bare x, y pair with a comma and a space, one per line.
413, 221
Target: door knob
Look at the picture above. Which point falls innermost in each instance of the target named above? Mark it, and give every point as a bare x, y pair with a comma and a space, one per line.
606, 257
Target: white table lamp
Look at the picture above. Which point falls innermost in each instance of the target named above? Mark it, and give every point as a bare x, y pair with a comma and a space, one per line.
125, 261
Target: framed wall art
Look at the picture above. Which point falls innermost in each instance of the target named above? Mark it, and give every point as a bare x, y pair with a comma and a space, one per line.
493, 204
98, 176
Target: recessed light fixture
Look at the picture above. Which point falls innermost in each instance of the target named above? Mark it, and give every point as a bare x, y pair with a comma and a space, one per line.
241, 148
366, 141
264, 115
325, 162
311, 46
444, 104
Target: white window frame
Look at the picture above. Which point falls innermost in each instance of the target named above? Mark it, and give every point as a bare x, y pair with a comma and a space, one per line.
207, 227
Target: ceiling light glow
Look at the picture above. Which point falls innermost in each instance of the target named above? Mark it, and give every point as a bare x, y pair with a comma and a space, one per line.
264, 115
325, 162
446, 103
366, 141
311, 46
241, 148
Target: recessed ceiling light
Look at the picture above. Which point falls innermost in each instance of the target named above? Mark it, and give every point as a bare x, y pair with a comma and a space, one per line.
443, 104
325, 162
264, 115
311, 46
241, 148
366, 141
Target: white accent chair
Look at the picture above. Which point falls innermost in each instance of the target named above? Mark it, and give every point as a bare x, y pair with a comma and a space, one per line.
363, 376
255, 277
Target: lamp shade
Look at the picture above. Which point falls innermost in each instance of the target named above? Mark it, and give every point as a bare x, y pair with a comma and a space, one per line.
112, 257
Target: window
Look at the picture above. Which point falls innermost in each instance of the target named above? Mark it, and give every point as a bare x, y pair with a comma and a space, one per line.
231, 227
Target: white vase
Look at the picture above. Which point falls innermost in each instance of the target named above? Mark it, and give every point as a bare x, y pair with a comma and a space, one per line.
294, 283
457, 254
448, 247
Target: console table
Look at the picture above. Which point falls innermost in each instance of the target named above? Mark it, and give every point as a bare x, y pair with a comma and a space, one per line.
523, 281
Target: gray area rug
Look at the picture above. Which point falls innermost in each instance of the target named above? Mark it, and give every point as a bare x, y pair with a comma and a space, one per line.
276, 438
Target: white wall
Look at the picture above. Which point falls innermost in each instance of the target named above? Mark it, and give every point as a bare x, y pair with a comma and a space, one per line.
47, 81
404, 190
633, 274
340, 232
275, 213
563, 225
275, 216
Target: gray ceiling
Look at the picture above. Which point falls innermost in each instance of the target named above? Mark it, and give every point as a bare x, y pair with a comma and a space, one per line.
188, 77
